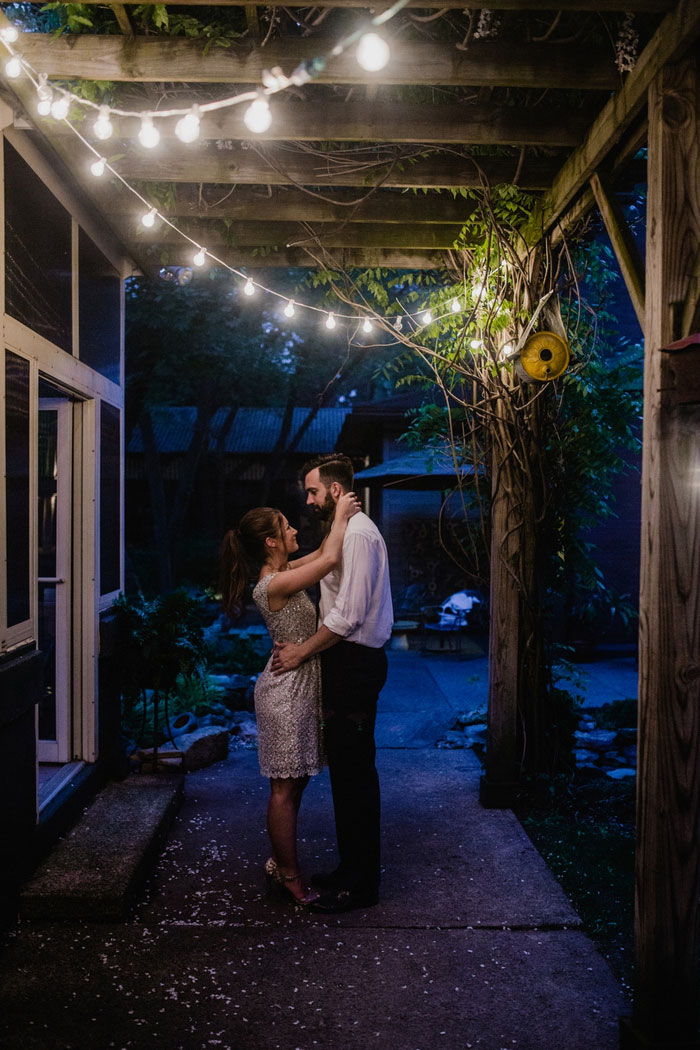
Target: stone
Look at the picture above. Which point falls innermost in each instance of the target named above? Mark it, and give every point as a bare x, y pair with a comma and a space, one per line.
630, 754
185, 722
623, 773
583, 756
452, 739
627, 735
203, 746
597, 740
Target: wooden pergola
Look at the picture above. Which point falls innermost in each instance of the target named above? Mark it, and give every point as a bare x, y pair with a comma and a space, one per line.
331, 175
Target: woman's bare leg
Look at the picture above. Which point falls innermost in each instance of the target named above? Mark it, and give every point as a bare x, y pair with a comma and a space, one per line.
282, 810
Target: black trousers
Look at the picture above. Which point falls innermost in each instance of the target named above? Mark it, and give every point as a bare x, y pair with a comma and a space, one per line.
353, 676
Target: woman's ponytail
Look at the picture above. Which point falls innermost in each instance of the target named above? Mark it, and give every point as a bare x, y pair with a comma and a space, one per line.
246, 543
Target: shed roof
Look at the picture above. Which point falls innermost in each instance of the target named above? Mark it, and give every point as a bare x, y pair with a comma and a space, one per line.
253, 431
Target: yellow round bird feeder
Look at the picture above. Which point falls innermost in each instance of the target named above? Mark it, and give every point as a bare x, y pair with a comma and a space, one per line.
545, 355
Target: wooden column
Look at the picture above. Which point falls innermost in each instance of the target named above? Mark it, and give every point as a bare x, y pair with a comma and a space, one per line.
667, 919
498, 785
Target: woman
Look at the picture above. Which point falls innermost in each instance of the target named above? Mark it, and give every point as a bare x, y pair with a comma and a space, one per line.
287, 706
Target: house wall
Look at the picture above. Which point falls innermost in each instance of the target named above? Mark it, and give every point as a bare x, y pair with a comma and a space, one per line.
63, 338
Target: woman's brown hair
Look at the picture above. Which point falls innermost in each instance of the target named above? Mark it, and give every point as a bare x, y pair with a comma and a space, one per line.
243, 545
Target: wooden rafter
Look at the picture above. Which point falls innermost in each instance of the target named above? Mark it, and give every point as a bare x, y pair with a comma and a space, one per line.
281, 204
156, 59
477, 125
341, 258
603, 6
276, 166
623, 242
676, 35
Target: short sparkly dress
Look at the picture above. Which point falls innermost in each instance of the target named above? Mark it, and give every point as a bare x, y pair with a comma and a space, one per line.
288, 706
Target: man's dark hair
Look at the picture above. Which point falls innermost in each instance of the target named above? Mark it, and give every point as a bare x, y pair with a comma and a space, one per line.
332, 467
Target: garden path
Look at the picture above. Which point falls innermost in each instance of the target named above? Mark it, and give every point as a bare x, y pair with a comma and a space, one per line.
473, 943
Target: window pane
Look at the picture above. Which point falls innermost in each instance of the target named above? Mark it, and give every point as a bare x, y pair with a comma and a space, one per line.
99, 310
110, 500
17, 487
37, 254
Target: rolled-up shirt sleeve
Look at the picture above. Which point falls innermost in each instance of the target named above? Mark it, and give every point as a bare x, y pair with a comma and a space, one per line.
353, 604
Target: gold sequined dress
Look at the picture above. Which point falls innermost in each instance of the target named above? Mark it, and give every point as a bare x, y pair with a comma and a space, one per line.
288, 706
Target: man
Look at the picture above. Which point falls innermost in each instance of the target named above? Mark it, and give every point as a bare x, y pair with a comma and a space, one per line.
356, 618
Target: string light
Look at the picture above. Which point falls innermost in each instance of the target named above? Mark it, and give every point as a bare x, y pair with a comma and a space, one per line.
249, 287
456, 306
149, 136
13, 67
258, 118
45, 94
289, 309
199, 258
60, 107
9, 34
476, 344
98, 167
187, 128
148, 218
426, 317
103, 125
372, 52
367, 325
330, 321
398, 324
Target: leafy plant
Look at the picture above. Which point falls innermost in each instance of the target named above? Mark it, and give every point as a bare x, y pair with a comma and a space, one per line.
160, 643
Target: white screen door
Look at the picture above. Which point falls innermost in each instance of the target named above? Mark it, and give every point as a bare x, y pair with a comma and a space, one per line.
54, 576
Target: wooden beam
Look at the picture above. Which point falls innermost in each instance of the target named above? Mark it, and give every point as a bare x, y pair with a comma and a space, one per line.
332, 121
295, 235
340, 258
667, 884
624, 245
676, 35
279, 167
690, 315
123, 19
291, 205
602, 6
154, 59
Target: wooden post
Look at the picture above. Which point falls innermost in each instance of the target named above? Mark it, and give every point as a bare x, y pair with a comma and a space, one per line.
667, 915
499, 783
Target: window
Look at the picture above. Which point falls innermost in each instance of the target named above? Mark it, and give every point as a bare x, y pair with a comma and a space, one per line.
17, 487
99, 310
38, 276
110, 500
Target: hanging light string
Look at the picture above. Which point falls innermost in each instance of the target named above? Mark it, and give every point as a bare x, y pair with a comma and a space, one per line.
372, 54
55, 102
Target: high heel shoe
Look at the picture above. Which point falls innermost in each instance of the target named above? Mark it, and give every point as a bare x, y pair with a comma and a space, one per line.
277, 883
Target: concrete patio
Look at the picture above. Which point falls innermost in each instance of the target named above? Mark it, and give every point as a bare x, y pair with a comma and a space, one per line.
473, 943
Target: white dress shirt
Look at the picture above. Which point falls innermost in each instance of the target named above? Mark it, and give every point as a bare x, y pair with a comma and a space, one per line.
356, 597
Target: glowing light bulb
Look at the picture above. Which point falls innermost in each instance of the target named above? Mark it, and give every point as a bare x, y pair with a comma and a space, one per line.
187, 128
199, 258
330, 321
258, 117
103, 125
43, 106
149, 218
60, 107
98, 167
249, 287
398, 324
479, 289
476, 344
289, 309
9, 35
13, 67
426, 317
372, 52
367, 325
456, 306
506, 351
149, 136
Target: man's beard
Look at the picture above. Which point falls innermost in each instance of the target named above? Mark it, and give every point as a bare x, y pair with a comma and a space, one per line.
327, 511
